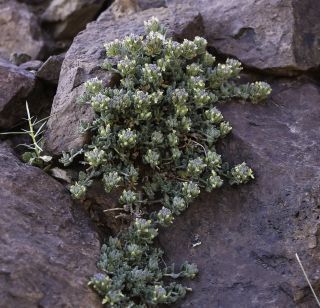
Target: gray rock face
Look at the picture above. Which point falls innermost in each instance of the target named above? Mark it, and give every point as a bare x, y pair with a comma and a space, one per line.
20, 31
83, 61
249, 235
50, 70
47, 249
16, 84
307, 31
36, 6
269, 35
31, 65
70, 17
147, 4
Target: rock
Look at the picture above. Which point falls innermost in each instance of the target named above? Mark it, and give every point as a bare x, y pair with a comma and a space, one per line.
37, 6
249, 234
20, 31
120, 8
306, 34
48, 248
147, 4
33, 2
31, 65
67, 18
16, 85
17, 58
100, 204
83, 61
267, 35
50, 70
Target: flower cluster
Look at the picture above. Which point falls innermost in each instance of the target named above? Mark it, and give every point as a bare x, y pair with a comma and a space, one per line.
154, 137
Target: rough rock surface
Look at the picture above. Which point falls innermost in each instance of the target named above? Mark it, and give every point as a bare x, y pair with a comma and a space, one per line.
249, 235
33, 65
269, 35
120, 8
147, 4
70, 17
20, 31
16, 84
83, 61
47, 249
244, 239
36, 6
50, 70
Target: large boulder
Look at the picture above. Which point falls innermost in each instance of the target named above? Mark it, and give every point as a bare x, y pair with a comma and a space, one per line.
268, 35
48, 249
83, 61
16, 85
249, 235
67, 18
20, 31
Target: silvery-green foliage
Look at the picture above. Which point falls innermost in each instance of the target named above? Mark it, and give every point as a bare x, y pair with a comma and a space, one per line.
154, 136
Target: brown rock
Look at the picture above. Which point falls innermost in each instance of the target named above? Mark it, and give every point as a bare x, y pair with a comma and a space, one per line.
101, 206
306, 35
147, 4
50, 70
83, 61
17, 58
67, 18
20, 31
36, 6
120, 8
31, 65
278, 36
16, 84
47, 248
249, 234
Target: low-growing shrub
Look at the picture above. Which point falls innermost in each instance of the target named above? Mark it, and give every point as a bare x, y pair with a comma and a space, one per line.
154, 137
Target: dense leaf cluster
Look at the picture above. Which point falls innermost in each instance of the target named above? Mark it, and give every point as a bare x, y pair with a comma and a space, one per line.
154, 137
